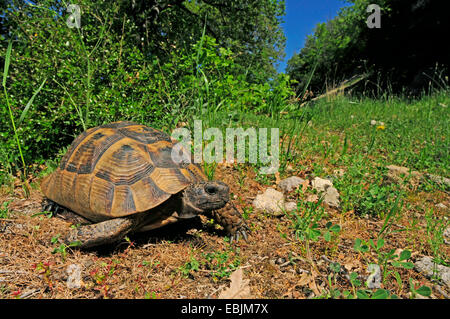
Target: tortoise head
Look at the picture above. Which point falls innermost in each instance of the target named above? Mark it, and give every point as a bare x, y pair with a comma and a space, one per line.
204, 197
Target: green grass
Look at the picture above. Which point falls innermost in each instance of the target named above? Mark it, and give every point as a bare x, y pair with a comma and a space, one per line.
414, 135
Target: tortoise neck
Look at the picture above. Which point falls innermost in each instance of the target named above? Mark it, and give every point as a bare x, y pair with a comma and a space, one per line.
188, 210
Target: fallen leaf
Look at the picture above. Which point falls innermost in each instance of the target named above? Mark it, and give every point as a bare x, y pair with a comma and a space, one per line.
277, 178
305, 185
239, 288
304, 279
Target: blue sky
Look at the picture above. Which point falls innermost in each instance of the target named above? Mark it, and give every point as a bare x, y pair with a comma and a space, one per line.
300, 20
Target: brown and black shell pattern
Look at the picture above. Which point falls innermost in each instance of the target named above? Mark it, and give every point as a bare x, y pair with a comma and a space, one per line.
118, 169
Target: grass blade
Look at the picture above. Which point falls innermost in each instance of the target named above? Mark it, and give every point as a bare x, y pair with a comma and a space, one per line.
7, 61
27, 107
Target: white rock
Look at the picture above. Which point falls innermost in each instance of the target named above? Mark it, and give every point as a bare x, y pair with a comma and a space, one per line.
74, 279
321, 184
374, 279
290, 206
426, 266
439, 179
447, 235
441, 206
332, 197
290, 183
271, 201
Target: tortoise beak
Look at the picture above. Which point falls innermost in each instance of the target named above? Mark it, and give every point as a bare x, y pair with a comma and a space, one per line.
184, 215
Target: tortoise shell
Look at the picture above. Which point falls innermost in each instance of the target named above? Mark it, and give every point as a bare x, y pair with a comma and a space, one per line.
118, 169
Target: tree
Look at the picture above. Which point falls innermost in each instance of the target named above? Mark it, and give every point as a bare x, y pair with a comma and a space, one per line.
403, 53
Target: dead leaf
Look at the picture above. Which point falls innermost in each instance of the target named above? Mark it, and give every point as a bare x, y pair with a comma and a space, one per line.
304, 279
309, 280
239, 288
277, 178
305, 185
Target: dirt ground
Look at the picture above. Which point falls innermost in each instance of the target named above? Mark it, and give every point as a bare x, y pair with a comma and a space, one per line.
173, 262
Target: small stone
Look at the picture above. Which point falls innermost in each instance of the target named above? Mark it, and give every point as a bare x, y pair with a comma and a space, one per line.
74, 279
397, 173
290, 206
321, 184
332, 197
441, 206
339, 172
447, 235
439, 179
290, 183
271, 201
429, 268
374, 279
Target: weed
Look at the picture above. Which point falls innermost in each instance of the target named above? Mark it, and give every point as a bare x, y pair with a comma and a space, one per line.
435, 228
221, 263
421, 290
218, 264
4, 209
15, 127
192, 265
62, 248
43, 268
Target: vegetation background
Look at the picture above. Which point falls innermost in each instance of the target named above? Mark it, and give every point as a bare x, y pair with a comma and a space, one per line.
160, 62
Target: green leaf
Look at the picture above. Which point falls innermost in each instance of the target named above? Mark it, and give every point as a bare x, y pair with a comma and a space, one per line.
335, 229
336, 293
380, 243
424, 291
380, 294
313, 234
398, 279
404, 255
361, 294
401, 264
25, 110
327, 236
347, 294
357, 245
7, 62
407, 265
364, 248
54, 239
335, 267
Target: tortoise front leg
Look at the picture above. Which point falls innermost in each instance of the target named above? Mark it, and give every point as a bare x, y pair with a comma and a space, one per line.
231, 219
106, 232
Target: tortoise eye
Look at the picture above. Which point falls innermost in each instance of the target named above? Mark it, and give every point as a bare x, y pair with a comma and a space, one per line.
210, 189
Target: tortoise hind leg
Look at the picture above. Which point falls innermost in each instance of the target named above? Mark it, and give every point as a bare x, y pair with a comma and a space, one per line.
48, 205
59, 211
106, 232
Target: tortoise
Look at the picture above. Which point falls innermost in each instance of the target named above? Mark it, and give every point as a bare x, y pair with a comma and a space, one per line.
120, 178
